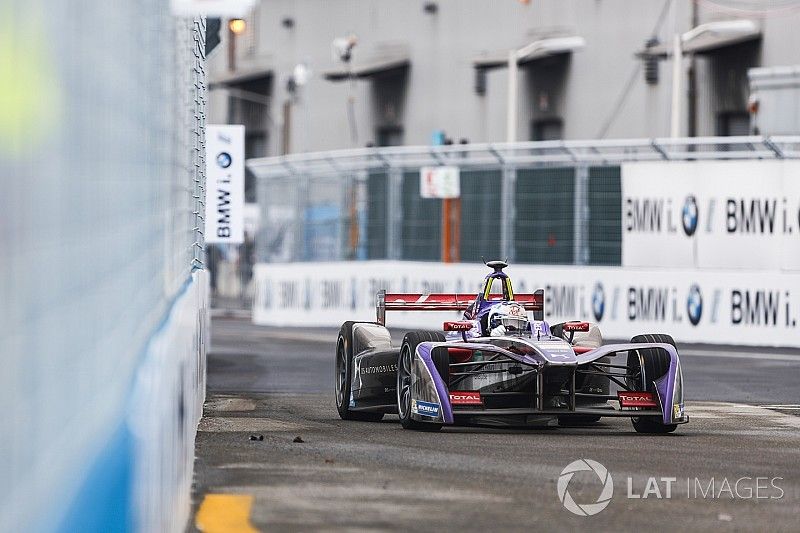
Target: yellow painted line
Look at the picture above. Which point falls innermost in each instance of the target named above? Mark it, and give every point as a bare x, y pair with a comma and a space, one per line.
225, 513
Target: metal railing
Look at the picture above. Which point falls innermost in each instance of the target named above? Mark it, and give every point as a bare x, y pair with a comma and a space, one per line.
532, 202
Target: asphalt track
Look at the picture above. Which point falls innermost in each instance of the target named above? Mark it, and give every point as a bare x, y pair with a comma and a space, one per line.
358, 476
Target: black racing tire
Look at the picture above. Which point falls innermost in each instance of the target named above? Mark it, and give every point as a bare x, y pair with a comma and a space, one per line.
654, 363
577, 420
442, 364
343, 377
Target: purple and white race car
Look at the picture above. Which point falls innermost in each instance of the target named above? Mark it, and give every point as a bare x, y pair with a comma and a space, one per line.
503, 364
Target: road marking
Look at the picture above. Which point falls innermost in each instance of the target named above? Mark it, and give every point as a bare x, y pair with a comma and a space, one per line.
223, 424
743, 355
225, 513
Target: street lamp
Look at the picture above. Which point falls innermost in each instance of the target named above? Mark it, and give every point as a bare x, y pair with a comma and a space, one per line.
342, 49
237, 26
556, 45
723, 28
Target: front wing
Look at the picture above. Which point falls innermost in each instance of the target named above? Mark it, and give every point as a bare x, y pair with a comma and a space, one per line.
431, 398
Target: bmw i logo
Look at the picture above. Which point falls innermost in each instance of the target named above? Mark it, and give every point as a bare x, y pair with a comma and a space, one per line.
224, 159
694, 304
689, 216
598, 302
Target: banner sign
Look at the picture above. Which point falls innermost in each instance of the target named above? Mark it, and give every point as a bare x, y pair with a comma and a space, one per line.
711, 214
224, 184
440, 182
714, 306
212, 8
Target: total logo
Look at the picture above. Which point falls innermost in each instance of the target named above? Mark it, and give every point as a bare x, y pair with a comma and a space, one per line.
694, 304
598, 302
689, 216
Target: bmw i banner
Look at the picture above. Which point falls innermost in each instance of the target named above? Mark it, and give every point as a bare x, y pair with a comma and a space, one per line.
711, 214
224, 184
722, 306
212, 8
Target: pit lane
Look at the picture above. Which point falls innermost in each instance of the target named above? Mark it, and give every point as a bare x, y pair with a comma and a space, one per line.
350, 475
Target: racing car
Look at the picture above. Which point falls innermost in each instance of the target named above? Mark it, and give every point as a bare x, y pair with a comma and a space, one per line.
503, 364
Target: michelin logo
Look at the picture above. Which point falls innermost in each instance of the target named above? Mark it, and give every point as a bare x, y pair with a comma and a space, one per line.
424, 408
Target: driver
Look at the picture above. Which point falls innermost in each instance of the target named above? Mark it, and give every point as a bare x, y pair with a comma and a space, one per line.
508, 319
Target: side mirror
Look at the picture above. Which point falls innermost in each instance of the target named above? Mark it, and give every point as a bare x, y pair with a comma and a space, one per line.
576, 326
458, 325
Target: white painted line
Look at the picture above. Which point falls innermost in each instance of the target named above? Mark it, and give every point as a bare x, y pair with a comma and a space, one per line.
742, 355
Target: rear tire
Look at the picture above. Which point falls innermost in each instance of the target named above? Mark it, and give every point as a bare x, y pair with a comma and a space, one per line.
343, 377
404, 369
653, 364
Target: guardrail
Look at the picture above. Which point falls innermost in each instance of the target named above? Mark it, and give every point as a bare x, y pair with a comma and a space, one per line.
594, 152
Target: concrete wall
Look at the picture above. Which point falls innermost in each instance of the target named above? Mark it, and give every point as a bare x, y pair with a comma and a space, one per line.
102, 288
440, 93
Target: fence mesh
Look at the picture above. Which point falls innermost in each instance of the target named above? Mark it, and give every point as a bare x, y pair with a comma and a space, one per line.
551, 202
351, 216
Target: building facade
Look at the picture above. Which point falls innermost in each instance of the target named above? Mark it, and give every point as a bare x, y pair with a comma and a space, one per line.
433, 72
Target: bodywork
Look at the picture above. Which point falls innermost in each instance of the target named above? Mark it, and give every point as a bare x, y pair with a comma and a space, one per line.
520, 379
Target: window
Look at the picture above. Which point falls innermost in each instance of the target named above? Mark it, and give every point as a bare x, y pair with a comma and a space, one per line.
390, 136
733, 123
551, 129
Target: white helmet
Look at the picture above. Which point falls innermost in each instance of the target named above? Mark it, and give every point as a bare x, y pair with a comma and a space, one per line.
508, 318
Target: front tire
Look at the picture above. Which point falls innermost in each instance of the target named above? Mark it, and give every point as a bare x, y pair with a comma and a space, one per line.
343, 377
653, 364
404, 371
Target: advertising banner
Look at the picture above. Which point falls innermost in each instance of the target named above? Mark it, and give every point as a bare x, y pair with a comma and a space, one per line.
711, 214
224, 184
212, 8
790, 247
714, 306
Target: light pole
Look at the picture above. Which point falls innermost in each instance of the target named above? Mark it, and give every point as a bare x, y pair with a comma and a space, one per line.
342, 49
543, 47
723, 28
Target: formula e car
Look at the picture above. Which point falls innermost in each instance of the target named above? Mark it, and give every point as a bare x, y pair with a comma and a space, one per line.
499, 365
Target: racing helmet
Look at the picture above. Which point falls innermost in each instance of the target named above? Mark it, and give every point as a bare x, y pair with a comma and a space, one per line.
508, 318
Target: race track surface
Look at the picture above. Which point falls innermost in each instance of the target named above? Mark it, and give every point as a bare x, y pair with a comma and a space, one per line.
376, 476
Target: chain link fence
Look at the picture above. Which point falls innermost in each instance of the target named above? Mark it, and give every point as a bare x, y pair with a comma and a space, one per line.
103, 177
554, 202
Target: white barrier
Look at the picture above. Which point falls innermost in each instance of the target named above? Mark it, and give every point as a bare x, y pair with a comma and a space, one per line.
715, 306
711, 214
164, 411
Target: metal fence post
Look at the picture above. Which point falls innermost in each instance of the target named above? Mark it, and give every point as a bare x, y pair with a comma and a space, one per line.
508, 212
300, 220
262, 246
394, 213
581, 215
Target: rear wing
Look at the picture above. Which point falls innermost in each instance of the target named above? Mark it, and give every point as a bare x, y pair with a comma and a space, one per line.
447, 302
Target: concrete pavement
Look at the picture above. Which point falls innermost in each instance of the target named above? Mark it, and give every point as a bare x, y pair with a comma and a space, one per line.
368, 476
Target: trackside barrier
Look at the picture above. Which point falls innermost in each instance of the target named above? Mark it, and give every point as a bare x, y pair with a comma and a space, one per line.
742, 307
140, 479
